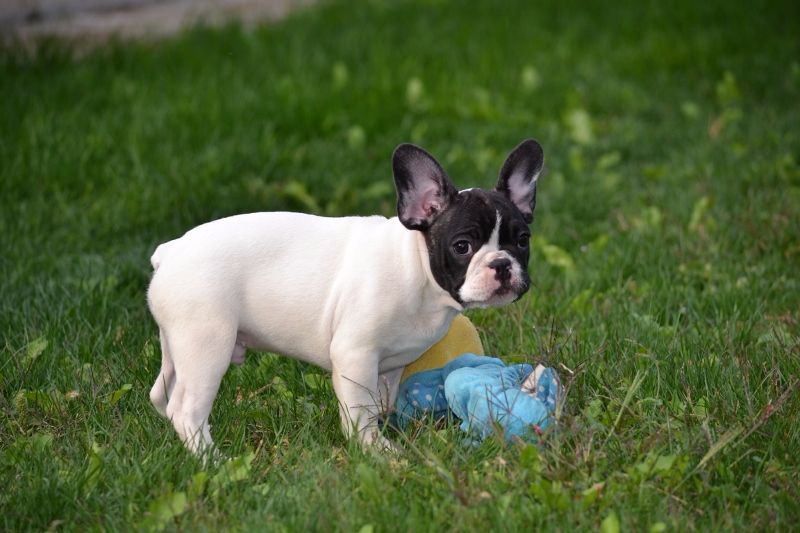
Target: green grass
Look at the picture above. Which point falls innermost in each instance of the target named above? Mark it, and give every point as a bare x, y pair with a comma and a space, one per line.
665, 265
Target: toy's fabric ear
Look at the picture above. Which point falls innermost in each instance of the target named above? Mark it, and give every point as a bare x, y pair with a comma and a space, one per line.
423, 188
518, 176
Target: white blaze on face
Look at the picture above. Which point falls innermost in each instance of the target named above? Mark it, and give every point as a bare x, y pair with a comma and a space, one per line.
481, 284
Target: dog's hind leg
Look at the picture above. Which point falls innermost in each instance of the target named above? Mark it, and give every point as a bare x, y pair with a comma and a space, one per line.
201, 354
165, 382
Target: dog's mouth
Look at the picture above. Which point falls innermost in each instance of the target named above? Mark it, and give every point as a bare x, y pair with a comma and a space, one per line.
521, 290
504, 294
511, 291
503, 290
492, 288
518, 287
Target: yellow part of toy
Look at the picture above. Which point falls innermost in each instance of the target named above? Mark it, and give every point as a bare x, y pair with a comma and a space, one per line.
461, 338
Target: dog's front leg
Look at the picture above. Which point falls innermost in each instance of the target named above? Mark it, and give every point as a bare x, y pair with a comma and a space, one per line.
355, 381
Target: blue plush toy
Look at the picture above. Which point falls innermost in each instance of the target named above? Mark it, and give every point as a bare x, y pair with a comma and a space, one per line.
484, 393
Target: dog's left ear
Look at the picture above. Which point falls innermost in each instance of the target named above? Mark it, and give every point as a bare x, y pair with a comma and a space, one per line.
519, 174
423, 188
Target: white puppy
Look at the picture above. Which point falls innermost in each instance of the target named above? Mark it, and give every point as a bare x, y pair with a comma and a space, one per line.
361, 297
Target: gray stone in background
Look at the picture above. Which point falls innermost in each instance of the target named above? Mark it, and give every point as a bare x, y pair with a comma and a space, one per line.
90, 22
20, 12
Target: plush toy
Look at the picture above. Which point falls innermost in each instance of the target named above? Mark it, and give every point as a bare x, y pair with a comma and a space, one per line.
485, 393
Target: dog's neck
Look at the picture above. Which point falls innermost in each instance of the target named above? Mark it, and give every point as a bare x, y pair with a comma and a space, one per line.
439, 295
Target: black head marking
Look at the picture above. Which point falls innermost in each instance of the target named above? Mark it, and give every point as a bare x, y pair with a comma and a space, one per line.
517, 179
457, 225
472, 216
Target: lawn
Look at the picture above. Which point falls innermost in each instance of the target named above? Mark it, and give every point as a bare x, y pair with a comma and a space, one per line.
666, 255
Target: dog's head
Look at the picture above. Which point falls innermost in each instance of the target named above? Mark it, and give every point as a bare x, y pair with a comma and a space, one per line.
477, 239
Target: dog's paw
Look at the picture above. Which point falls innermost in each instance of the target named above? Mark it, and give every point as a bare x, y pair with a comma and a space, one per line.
212, 457
376, 442
384, 445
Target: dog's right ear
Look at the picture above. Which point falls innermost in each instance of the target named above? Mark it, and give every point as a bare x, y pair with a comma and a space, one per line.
423, 188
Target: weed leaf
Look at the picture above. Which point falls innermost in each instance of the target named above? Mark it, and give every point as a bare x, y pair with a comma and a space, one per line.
236, 469
119, 393
34, 349
610, 524
164, 509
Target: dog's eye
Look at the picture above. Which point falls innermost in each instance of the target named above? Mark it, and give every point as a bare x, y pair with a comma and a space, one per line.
523, 240
462, 247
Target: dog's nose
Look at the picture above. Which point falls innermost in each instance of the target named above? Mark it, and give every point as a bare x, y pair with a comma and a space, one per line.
502, 268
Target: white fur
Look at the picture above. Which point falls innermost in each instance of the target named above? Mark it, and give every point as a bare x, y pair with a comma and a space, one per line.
352, 295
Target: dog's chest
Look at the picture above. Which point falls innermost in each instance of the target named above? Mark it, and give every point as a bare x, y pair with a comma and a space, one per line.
411, 335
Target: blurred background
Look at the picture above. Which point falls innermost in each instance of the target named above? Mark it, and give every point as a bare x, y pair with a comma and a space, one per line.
664, 260
27, 20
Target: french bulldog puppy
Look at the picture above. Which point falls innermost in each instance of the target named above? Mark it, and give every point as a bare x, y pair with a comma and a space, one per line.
361, 297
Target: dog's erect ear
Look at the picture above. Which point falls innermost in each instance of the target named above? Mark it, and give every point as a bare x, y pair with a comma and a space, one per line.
519, 174
423, 188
